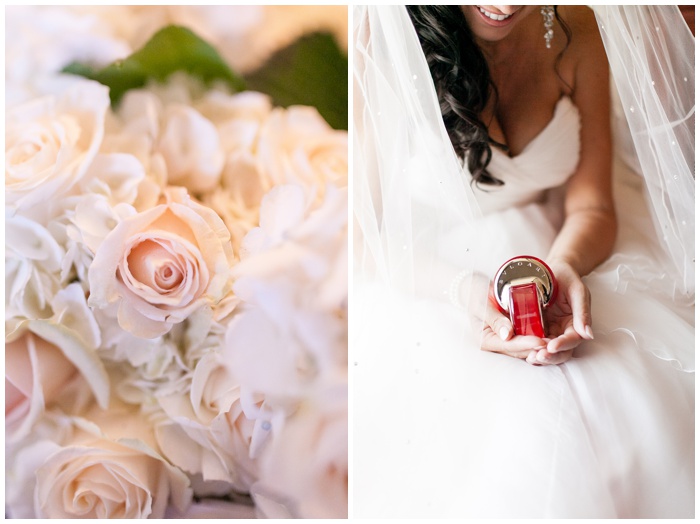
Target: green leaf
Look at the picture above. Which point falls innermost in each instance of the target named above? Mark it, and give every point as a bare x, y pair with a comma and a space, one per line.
171, 49
312, 71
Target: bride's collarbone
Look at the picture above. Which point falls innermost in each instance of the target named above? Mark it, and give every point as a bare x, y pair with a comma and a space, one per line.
518, 120
528, 91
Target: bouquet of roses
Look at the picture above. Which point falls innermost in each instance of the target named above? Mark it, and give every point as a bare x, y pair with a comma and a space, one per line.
175, 274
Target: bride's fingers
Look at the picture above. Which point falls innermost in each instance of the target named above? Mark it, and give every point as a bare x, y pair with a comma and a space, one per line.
532, 358
518, 347
498, 335
567, 341
546, 358
499, 323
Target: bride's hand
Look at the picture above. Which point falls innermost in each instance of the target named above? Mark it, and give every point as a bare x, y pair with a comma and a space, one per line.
568, 320
497, 336
497, 331
568, 323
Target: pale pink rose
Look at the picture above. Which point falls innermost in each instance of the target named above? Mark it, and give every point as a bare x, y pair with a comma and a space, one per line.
50, 142
35, 372
47, 356
297, 145
96, 476
161, 265
103, 464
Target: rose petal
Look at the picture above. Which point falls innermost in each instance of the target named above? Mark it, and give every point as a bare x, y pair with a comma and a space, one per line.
86, 360
134, 322
103, 286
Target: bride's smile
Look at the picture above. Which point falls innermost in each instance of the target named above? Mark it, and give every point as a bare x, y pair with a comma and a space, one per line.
491, 22
495, 18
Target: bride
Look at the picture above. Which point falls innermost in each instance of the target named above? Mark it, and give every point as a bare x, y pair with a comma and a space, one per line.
484, 133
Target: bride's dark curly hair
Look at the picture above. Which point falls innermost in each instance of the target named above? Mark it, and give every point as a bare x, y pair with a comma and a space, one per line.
462, 81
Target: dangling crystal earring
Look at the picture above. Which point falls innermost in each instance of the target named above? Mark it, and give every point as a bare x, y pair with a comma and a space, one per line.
548, 17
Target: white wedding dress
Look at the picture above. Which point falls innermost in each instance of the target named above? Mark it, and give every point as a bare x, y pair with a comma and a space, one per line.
444, 429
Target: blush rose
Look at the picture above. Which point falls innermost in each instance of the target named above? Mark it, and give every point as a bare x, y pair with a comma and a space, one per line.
161, 265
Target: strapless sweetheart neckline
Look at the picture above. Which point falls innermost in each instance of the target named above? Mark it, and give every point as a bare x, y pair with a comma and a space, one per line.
563, 102
546, 162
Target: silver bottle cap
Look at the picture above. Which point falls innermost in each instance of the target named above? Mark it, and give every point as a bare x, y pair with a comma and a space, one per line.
524, 270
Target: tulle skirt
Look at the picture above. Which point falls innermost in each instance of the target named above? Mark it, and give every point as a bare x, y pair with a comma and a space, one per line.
444, 429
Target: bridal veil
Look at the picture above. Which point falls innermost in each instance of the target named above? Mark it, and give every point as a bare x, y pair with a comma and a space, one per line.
411, 197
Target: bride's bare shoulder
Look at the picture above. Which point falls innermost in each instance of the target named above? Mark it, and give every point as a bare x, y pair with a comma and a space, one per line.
585, 54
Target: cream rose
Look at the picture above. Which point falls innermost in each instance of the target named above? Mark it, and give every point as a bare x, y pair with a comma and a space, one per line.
50, 142
162, 265
97, 477
297, 145
104, 479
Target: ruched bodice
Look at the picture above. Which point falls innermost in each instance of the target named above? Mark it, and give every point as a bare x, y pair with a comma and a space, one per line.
546, 162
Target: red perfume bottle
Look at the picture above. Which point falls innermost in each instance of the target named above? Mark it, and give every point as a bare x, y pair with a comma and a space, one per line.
522, 288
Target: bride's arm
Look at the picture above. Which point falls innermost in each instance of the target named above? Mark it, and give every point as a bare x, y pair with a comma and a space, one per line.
587, 236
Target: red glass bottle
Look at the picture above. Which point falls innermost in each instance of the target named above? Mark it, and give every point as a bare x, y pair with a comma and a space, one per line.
523, 287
